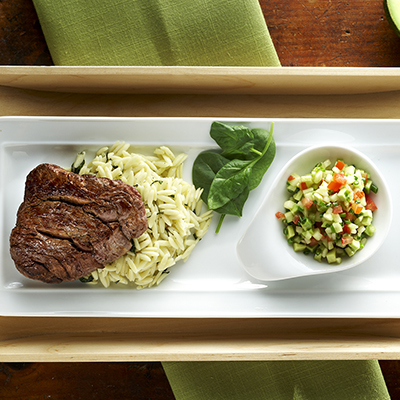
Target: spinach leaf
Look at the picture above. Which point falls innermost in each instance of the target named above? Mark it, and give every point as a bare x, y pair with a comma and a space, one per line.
228, 177
229, 182
263, 163
238, 142
205, 166
235, 205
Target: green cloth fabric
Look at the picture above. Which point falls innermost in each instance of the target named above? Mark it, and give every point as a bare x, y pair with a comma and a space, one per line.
277, 380
156, 32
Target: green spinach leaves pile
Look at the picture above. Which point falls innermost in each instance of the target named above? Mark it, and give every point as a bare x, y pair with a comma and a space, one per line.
229, 174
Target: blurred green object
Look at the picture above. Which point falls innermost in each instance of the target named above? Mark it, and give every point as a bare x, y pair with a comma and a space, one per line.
277, 380
156, 32
392, 12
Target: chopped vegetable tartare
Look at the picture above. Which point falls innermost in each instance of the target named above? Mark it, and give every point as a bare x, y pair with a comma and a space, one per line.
329, 213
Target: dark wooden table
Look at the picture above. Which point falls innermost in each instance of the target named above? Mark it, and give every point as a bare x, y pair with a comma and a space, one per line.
305, 33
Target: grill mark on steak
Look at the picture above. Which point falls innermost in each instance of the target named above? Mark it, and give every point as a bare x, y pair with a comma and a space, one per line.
70, 225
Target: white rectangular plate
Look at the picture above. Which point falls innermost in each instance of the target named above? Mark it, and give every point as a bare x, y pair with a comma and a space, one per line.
212, 283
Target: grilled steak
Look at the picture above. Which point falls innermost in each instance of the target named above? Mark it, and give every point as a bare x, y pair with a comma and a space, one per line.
69, 225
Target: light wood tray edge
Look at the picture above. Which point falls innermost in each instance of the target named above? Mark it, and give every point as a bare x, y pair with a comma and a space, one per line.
202, 80
141, 339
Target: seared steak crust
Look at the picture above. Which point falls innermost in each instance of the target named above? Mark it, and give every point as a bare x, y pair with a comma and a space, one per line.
69, 225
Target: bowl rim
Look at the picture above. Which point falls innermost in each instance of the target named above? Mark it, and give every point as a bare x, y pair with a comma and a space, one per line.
348, 263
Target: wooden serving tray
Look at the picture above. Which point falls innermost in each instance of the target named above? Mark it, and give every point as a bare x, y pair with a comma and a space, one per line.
150, 339
202, 80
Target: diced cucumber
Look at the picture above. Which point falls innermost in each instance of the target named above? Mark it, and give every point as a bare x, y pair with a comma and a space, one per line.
289, 217
337, 227
318, 223
307, 179
299, 247
289, 204
367, 213
317, 235
355, 245
318, 257
297, 196
307, 235
350, 252
367, 186
370, 230
331, 256
306, 224
290, 232
326, 164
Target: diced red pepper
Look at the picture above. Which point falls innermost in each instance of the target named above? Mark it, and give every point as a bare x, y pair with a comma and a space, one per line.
334, 186
358, 194
370, 205
291, 178
303, 186
337, 209
346, 239
339, 164
340, 178
296, 219
313, 241
337, 182
350, 216
357, 208
279, 215
346, 229
307, 203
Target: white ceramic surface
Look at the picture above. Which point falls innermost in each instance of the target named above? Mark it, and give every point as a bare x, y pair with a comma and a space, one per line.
213, 282
264, 250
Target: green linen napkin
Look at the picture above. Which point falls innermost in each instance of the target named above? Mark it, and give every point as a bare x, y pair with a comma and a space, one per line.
156, 32
277, 380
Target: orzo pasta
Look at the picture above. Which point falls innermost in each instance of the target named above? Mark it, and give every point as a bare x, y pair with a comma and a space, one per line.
173, 207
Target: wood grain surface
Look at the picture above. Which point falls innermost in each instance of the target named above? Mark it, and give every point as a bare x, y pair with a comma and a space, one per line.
308, 33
